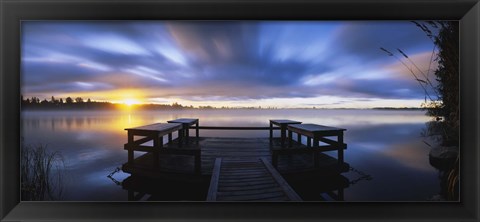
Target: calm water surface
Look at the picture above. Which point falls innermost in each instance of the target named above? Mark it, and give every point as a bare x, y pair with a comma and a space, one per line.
385, 144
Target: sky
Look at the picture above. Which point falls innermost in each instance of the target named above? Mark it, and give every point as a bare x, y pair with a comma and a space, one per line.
283, 64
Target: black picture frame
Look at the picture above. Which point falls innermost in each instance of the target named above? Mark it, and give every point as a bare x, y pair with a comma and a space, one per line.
14, 11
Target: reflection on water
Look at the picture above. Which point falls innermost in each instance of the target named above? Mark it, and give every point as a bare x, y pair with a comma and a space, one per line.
140, 189
308, 187
386, 144
319, 188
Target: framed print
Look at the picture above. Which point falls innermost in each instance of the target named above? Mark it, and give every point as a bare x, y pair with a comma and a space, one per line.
239, 110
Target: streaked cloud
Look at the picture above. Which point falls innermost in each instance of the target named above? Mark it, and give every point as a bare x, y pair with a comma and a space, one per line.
215, 62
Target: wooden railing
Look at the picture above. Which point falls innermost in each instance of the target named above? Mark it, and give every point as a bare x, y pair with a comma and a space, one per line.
235, 127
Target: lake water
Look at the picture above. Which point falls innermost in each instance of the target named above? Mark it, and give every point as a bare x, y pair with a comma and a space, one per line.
384, 144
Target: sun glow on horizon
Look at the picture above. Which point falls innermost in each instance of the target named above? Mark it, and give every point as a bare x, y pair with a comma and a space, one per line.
130, 102
127, 97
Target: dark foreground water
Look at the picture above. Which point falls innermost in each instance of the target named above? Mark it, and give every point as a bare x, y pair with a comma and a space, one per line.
385, 145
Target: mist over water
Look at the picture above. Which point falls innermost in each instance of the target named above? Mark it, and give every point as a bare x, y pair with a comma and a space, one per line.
385, 144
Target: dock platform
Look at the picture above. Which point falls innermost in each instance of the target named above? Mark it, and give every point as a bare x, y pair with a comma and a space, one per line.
239, 169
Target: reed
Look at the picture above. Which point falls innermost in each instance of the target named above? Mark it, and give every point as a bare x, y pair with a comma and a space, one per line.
443, 98
41, 173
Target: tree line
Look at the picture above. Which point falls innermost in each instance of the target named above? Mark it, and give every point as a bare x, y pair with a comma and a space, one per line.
79, 103
67, 103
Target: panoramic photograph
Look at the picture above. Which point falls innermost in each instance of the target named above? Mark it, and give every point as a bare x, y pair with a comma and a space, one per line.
354, 111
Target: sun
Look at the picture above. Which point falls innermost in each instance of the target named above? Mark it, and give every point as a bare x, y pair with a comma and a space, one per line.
130, 102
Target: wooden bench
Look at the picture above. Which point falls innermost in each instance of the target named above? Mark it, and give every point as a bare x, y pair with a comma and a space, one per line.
156, 132
317, 133
283, 123
186, 123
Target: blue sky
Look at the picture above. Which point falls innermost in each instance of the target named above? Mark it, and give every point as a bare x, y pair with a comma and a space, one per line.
328, 64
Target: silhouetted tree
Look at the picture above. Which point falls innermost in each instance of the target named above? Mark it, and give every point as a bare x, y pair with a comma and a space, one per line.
176, 105
447, 75
35, 100
79, 100
68, 100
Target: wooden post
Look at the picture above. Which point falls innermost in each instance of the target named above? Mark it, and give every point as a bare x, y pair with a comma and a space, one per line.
315, 152
130, 155
271, 133
340, 148
130, 148
180, 137
299, 138
157, 145
282, 129
290, 138
197, 132
187, 132
169, 138
309, 143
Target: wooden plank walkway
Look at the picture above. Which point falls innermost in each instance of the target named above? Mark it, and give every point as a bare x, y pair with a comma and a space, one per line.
248, 180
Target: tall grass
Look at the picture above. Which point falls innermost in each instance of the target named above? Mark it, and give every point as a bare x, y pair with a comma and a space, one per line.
41, 173
442, 99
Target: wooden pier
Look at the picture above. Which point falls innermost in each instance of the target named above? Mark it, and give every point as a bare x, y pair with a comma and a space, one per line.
239, 168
